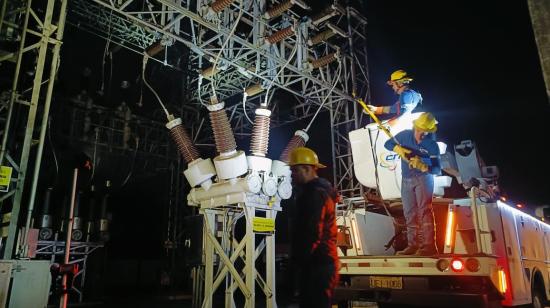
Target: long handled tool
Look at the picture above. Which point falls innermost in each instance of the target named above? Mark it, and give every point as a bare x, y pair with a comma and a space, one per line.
375, 118
406, 158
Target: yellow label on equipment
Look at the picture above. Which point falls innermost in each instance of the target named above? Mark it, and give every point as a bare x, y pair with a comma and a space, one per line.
5, 178
261, 224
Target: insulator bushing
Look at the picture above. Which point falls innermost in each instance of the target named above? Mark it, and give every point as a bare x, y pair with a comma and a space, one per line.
323, 61
223, 134
278, 9
219, 5
323, 36
209, 72
182, 140
298, 140
154, 49
254, 90
260, 133
280, 35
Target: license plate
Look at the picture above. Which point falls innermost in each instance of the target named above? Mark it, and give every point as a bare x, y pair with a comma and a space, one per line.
380, 282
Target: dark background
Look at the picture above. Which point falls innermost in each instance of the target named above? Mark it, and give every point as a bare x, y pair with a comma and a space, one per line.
475, 63
477, 67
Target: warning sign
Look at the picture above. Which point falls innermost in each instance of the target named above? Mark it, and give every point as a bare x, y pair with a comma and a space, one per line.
261, 224
5, 178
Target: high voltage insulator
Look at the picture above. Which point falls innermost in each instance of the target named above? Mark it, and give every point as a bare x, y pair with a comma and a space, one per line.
280, 8
182, 140
154, 49
323, 61
323, 36
254, 90
298, 140
328, 13
223, 134
219, 5
209, 72
260, 133
280, 35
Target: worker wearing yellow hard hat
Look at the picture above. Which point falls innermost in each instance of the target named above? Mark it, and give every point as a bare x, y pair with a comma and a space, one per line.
304, 156
420, 161
408, 98
314, 253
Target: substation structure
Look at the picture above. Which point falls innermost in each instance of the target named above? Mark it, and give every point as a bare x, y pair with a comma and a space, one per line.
239, 54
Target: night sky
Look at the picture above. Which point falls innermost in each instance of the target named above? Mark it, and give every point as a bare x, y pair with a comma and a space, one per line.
478, 70
476, 66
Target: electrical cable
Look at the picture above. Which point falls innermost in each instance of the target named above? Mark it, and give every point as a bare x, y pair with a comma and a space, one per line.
102, 88
244, 107
377, 177
94, 158
145, 59
131, 166
326, 97
199, 91
241, 11
53, 152
280, 71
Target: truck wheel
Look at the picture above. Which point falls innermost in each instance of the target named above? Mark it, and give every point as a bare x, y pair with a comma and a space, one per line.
538, 299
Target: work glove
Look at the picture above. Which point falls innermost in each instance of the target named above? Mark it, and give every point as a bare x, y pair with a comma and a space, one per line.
416, 163
371, 108
401, 151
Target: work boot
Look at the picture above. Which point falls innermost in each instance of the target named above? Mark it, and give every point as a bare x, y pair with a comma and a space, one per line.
410, 250
426, 251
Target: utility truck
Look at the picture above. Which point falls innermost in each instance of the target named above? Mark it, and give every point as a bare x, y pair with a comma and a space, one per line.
491, 253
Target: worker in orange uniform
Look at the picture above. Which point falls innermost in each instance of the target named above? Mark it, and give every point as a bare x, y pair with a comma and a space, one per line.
408, 98
314, 235
420, 161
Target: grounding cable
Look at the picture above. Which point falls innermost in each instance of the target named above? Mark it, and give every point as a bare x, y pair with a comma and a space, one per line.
241, 10
145, 59
245, 96
326, 98
280, 71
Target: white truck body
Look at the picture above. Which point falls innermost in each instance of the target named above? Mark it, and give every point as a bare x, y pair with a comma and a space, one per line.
501, 254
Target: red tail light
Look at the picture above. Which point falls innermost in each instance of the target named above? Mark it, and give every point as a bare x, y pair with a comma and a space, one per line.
457, 265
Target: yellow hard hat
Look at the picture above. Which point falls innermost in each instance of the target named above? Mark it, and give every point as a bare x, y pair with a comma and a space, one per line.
399, 76
304, 156
426, 122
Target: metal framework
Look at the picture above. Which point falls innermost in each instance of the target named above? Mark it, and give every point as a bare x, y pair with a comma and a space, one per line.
39, 29
79, 252
223, 251
234, 46
245, 57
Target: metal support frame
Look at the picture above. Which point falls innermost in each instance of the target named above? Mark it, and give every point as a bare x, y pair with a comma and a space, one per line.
345, 117
46, 39
248, 60
79, 251
245, 59
222, 253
